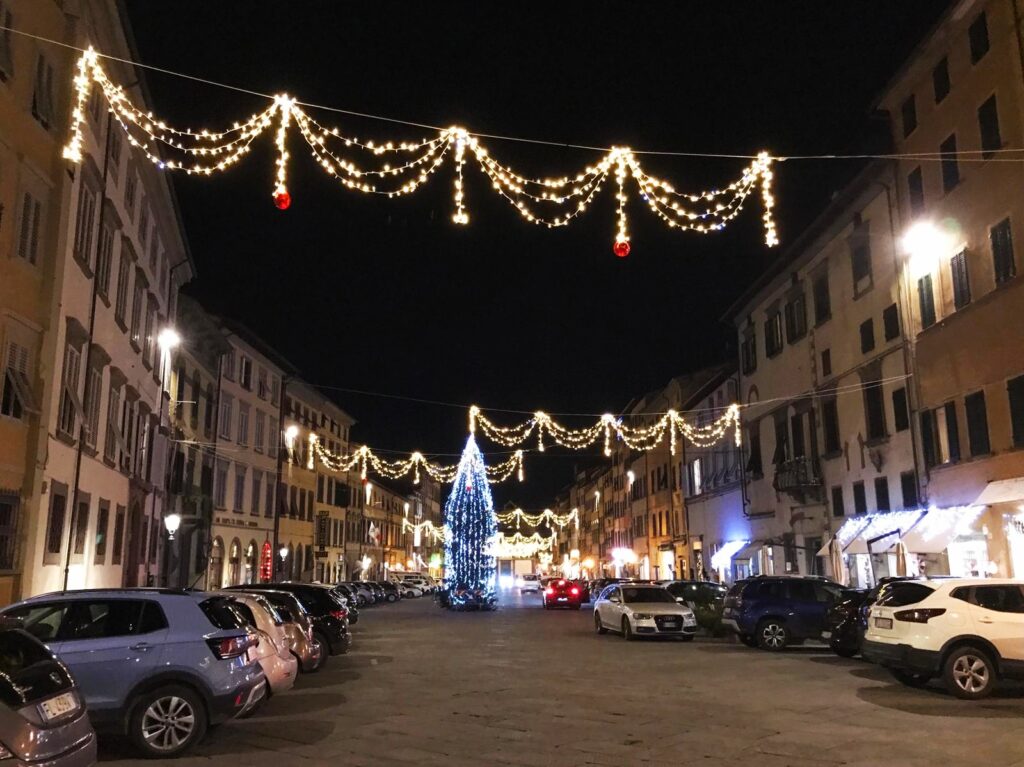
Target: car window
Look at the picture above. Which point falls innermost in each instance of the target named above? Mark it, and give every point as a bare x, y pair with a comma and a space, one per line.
104, 618
801, 591
765, 589
826, 592
245, 612
634, 595
900, 593
1002, 599
23, 675
222, 614
40, 620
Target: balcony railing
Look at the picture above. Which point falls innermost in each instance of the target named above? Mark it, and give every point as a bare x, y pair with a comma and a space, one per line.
796, 474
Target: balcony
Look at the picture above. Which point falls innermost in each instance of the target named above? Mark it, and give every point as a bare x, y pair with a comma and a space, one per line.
799, 477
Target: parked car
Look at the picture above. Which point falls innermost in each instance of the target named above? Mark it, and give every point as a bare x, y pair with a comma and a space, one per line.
348, 600
418, 582
529, 583
643, 610
329, 616
584, 588
364, 596
561, 593
378, 593
409, 591
298, 629
391, 591
43, 719
775, 611
847, 619
272, 653
969, 632
158, 665
705, 598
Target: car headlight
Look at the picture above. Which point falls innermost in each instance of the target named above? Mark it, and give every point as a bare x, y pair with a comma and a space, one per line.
642, 617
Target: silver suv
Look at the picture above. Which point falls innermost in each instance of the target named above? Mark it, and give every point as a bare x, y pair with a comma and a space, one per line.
157, 665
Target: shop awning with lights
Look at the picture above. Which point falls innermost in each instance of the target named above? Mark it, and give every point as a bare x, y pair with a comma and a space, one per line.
878, 532
749, 551
938, 528
1001, 491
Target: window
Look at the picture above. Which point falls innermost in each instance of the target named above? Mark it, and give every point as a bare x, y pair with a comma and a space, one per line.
977, 424
243, 423
115, 558
8, 528
900, 413
273, 438
773, 334
696, 477
908, 487
257, 438
113, 438
796, 318
822, 299
909, 114
70, 405
138, 301
144, 233
1000, 599
42, 621
102, 525
94, 392
882, 494
860, 501
781, 454
122, 287
245, 373
874, 410
16, 396
28, 230
239, 487
229, 365
225, 415
940, 80
115, 155
149, 333
257, 492
84, 223
103, 261
275, 389
978, 36
81, 526
1002, 251
796, 423
867, 336
940, 436
42, 93
131, 183
211, 397
220, 489
262, 385
988, 123
891, 322
950, 167
826, 362
837, 501
926, 299
754, 464
268, 507
748, 350
830, 418
104, 619
915, 189
6, 59
961, 282
860, 260
320, 488
902, 593
1015, 391
55, 522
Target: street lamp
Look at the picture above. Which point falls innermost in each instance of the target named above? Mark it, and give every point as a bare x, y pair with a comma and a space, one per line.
283, 553
172, 522
168, 339
925, 243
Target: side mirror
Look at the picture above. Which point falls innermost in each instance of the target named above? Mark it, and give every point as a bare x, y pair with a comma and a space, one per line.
680, 600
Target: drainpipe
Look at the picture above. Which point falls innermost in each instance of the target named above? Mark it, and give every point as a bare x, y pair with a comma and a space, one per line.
89, 393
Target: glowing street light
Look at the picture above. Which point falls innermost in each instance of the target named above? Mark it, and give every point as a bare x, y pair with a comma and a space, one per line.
925, 243
168, 339
172, 522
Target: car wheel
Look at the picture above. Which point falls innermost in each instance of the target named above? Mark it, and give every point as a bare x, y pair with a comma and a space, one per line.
167, 721
627, 630
909, 678
392, 598
322, 660
598, 626
969, 674
748, 640
772, 635
845, 652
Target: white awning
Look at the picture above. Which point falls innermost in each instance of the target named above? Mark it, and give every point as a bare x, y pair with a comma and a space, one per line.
939, 527
824, 550
749, 551
1001, 491
881, 531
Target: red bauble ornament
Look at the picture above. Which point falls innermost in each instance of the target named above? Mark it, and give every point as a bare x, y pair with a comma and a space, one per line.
621, 248
282, 199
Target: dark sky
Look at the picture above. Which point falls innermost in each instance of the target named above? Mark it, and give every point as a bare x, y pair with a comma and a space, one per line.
389, 296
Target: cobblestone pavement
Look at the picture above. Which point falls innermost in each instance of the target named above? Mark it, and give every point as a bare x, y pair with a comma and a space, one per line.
524, 686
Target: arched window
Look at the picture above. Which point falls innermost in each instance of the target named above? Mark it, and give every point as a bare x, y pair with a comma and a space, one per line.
215, 574
234, 563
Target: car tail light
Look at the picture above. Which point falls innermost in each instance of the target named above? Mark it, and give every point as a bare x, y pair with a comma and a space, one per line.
921, 615
232, 647
549, 591
339, 614
574, 591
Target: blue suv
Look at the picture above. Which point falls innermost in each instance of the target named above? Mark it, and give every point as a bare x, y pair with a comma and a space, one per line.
157, 665
773, 612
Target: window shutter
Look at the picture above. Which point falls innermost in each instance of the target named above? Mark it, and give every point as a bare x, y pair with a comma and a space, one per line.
961, 282
928, 437
1015, 391
6, 60
952, 432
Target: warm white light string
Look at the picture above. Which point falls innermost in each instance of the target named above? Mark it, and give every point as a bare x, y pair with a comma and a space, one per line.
635, 437
364, 460
397, 169
546, 517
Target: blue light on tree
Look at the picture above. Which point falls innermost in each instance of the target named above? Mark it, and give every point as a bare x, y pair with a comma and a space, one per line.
470, 524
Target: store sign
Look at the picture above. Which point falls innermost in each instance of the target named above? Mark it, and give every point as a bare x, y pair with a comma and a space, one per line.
266, 562
323, 523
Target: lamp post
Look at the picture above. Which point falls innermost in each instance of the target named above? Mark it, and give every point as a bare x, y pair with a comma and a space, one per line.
171, 523
167, 340
283, 553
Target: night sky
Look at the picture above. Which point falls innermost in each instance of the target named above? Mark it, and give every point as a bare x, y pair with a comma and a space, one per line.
363, 293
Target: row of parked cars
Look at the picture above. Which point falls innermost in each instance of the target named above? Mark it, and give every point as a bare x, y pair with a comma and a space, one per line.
967, 632
160, 666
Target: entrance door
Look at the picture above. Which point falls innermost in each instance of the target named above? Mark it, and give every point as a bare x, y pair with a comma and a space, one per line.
136, 546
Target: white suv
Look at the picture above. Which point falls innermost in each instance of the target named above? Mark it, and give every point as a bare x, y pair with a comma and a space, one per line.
968, 630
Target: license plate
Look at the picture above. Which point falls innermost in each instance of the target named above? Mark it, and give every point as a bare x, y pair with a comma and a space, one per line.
563, 599
671, 624
826, 634
57, 707
883, 623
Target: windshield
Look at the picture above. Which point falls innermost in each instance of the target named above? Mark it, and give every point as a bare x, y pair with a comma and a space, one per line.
634, 595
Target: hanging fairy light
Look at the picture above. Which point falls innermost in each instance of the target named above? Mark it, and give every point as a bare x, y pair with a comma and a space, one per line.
397, 169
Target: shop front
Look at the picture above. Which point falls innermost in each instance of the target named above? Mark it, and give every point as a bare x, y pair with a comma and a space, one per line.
1004, 500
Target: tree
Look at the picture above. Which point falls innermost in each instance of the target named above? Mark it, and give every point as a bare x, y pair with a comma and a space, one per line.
470, 525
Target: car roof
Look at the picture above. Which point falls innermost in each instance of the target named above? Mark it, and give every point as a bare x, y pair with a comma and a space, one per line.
955, 582
124, 593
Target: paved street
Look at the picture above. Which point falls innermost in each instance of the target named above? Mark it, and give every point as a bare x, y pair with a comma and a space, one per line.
525, 686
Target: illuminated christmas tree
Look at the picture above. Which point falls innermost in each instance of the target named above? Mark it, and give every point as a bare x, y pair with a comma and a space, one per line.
469, 579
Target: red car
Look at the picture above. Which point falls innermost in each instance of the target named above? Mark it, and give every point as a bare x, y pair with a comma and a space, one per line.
562, 593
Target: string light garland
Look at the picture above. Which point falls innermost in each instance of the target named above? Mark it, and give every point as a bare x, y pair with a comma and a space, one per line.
519, 546
428, 528
546, 517
635, 437
364, 459
399, 169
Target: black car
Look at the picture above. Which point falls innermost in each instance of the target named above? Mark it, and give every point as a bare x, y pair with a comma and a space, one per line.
706, 594
391, 591
848, 619
378, 591
329, 615
349, 598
